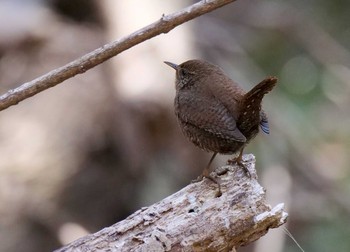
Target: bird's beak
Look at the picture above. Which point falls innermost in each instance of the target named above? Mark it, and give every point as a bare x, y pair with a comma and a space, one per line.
172, 65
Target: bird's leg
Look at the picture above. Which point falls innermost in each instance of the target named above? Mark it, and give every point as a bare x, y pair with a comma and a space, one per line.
238, 160
206, 171
206, 174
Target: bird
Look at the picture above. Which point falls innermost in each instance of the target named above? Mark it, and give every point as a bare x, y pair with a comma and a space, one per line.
215, 113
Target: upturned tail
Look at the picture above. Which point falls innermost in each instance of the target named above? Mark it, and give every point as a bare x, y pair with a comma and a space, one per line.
250, 108
258, 92
252, 99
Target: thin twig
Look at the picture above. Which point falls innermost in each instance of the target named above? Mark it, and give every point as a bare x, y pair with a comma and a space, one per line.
96, 57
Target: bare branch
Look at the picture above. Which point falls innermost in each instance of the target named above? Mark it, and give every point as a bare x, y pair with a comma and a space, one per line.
92, 59
193, 219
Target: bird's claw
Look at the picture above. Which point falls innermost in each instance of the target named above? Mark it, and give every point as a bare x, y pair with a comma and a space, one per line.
239, 162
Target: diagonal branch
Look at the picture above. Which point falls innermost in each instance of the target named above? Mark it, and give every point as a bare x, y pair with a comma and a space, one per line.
98, 56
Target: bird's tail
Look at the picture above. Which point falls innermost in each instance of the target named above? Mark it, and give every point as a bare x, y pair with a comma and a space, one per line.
257, 92
250, 114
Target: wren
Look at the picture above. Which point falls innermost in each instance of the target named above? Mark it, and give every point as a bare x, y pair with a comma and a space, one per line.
215, 113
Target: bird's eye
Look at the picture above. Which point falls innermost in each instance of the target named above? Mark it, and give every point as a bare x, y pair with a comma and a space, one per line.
182, 72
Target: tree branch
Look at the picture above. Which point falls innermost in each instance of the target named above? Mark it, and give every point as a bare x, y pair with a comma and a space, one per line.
193, 219
92, 59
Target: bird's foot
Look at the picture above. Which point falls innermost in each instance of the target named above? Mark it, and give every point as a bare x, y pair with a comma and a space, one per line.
198, 179
238, 161
208, 176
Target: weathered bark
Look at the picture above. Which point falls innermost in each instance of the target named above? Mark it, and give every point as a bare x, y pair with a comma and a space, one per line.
194, 219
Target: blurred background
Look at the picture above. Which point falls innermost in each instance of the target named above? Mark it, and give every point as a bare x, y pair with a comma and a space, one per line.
89, 152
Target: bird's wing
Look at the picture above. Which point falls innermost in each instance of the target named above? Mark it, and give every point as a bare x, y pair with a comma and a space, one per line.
209, 114
227, 92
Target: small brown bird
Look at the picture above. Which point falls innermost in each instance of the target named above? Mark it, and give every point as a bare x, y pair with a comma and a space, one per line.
215, 113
